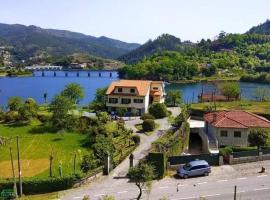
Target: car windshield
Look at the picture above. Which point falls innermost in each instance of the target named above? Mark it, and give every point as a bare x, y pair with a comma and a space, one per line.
186, 166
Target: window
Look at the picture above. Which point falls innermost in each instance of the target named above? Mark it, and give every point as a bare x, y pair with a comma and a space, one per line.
155, 88
113, 100
132, 90
120, 89
237, 134
138, 100
223, 133
125, 101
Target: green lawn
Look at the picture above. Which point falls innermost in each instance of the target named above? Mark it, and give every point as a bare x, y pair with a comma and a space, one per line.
262, 108
36, 148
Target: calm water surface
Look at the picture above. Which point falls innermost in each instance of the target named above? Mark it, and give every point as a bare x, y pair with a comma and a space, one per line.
36, 86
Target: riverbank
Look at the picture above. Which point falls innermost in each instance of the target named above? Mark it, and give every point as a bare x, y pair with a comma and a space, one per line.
206, 79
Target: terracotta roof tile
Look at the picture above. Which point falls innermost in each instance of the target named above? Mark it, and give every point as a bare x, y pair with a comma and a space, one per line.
236, 119
142, 86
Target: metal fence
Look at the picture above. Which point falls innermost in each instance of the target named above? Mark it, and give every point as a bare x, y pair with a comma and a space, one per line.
212, 159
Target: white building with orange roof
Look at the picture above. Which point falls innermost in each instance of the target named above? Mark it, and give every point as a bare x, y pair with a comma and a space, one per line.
137, 94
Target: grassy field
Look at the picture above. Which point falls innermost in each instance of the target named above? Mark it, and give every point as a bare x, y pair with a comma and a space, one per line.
251, 106
36, 149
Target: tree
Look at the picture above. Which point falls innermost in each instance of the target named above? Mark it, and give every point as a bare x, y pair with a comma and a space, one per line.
14, 103
142, 175
60, 107
173, 98
45, 97
74, 92
99, 102
158, 110
89, 162
230, 90
258, 137
28, 110
103, 146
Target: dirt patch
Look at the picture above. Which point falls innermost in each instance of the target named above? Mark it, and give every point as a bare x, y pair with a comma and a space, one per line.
29, 167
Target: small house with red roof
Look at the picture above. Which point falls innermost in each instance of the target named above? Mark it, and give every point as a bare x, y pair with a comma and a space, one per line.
232, 127
134, 94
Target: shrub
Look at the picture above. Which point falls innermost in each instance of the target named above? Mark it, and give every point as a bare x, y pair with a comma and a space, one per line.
258, 137
148, 125
44, 185
11, 116
89, 162
136, 139
147, 116
121, 111
86, 197
226, 151
158, 110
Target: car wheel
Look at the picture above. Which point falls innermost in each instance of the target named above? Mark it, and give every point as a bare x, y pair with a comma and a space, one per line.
185, 176
206, 173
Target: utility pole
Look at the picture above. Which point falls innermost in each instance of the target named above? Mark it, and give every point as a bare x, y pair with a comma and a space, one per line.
74, 164
13, 173
234, 197
19, 167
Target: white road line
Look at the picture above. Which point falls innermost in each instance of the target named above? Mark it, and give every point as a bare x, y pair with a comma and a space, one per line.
242, 178
97, 195
261, 176
121, 192
241, 191
77, 197
219, 181
163, 187
186, 198
211, 195
258, 189
201, 183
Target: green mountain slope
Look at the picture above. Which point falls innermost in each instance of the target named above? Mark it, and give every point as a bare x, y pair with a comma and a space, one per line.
263, 28
32, 41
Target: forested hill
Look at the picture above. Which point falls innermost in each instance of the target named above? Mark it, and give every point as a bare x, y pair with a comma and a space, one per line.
30, 41
164, 42
263, 28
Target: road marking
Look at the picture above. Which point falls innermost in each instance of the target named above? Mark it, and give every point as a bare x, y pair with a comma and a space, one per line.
97, 195
121, 192
241, 191
258, 189
164, 187
219, 181
201, 183
242, 178
211, 195
261, 176
77, 197
186, 198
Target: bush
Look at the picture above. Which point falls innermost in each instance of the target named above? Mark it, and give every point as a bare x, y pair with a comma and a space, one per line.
11, 116
121, 111
136, 139
158, 161
89, 162
146, 116
148, 125
226, 151
158, 110
44, 185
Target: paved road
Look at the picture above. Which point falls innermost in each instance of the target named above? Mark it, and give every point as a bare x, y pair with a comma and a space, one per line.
248, 188
117, 176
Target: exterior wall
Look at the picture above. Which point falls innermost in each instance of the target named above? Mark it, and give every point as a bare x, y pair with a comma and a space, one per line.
230, 139
146, 102
125, 90
161, 88
130, 105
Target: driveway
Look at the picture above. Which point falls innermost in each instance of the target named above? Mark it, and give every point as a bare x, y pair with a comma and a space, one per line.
117, 176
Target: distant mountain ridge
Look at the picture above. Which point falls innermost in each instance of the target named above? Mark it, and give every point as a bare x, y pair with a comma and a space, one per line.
263, 28
164, 42
31, 41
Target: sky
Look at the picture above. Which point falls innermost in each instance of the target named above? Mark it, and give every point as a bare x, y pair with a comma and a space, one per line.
139, 20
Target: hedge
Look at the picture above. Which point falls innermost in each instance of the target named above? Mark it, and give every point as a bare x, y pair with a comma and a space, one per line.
158, 161
44, 185
148, 125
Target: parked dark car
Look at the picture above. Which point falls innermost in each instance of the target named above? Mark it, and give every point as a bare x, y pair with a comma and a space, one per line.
194, 168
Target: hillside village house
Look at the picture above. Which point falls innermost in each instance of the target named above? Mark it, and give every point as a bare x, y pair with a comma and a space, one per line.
232, 127
138, 94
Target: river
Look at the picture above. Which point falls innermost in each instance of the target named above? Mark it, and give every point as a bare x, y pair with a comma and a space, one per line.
37, 85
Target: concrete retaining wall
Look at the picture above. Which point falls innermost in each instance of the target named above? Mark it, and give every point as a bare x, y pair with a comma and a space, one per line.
261, 157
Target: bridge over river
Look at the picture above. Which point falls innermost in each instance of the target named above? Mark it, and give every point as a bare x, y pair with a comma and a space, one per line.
75, 73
